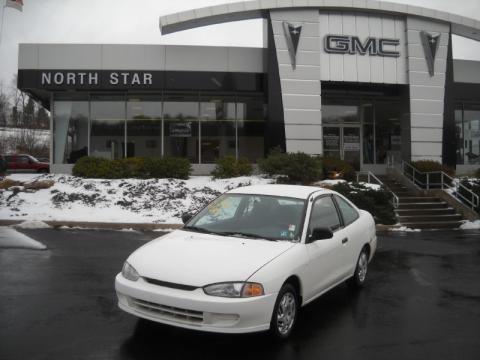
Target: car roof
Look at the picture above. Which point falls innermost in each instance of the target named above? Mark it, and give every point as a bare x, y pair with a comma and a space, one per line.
294, 191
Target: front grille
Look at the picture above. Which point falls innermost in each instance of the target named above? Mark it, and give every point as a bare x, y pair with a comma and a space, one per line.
170, 285
169, 312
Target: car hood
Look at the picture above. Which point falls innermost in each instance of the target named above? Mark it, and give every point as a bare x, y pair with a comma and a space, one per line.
196, 259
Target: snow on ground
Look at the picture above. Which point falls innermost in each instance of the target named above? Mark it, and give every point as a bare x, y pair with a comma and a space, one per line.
123, 200
329, 182
470, 225
11, 238
32, 224
404, 229
371, 186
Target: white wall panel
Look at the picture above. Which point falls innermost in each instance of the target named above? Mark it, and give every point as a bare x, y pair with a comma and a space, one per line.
363, 62
376, 62
357, 67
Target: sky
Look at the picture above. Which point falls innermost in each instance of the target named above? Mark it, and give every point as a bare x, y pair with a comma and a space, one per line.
136, 22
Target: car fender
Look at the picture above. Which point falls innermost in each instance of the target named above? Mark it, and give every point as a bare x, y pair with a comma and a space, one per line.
273, 275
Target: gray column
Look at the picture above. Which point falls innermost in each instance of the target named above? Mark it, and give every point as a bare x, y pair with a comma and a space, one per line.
300, 87
426, 92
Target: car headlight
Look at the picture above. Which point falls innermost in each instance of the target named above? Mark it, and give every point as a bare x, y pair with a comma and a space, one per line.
129, 272
234, 289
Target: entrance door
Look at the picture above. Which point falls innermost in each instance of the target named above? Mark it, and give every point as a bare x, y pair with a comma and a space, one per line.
343, 142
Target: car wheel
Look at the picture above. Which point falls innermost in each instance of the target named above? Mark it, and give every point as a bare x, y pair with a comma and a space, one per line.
43, 171
360, 276
285, 312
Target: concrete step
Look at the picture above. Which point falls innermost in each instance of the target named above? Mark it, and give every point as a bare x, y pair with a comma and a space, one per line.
423, 205
429, 218
418, 199
433, 225
414, 212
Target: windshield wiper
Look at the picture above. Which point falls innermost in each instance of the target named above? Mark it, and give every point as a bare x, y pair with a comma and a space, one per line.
244, 234
198, 229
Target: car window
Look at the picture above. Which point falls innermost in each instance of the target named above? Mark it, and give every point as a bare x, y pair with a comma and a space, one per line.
348, 212
22, 159
265, 216
223, 209
324, 214
9, 159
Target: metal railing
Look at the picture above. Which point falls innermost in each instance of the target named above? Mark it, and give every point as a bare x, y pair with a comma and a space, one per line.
440, 180
371, 177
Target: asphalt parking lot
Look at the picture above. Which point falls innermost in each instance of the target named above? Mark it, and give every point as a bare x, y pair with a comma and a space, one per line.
422, 301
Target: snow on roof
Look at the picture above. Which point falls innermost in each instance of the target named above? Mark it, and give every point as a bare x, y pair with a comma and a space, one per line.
295, 191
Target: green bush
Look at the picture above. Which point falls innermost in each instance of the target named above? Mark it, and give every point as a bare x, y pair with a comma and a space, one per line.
292, 167
92, 167
137, 167
428, 166
133, 167
336, 168
431, 165
376, 202
168, 167
228, 167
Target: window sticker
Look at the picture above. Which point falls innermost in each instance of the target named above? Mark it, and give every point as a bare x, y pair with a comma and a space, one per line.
284, 234
291, 227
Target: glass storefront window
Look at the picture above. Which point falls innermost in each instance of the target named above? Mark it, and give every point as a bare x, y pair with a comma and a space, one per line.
70, 131
144, 127
201, 128
368, 134
181, 128
251, 116
340, 114
217, 119
387, 131
107, 128
467, 125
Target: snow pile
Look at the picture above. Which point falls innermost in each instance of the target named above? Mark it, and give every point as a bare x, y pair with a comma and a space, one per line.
123, 200
32, 224
329, 183
404, 229
470, 225
364, 186
11, 238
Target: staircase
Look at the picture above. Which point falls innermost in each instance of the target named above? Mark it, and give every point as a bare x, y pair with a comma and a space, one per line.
421, 212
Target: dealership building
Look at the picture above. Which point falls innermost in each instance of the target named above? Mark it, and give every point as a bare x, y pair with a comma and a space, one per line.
366, 81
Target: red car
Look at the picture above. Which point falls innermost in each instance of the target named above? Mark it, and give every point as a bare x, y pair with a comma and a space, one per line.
25, 163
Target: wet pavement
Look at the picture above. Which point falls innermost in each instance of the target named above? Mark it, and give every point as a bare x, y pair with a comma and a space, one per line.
422, 301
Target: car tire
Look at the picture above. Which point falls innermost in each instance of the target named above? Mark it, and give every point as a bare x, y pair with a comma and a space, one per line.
357, 281
285, 312
43, 171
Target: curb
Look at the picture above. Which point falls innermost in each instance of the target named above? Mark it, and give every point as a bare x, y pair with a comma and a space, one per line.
98, 225
134, 226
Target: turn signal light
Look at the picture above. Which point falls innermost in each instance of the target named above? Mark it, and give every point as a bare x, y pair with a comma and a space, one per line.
252, 289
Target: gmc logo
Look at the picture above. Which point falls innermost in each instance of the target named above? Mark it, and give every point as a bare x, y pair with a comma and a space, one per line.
343, 44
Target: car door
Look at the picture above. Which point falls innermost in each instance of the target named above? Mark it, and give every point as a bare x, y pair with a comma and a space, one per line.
353, 232
324, 256
23, 163
11, 163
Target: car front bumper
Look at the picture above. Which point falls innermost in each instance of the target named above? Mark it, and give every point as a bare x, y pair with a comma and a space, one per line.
194, 309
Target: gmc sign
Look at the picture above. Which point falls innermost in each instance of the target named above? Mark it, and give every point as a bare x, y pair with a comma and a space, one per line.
344, 44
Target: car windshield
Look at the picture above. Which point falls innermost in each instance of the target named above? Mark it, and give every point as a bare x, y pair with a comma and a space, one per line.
251, 216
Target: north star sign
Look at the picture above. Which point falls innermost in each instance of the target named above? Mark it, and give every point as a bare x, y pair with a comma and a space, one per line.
93, 78
344, 44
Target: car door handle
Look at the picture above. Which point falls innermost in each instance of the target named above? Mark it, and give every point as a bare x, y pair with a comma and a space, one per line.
344, 241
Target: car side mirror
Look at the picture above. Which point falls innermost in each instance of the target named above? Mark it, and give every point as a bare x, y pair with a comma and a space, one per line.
320, 233
186, 217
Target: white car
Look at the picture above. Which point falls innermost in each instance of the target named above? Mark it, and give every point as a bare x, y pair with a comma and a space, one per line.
249, 260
